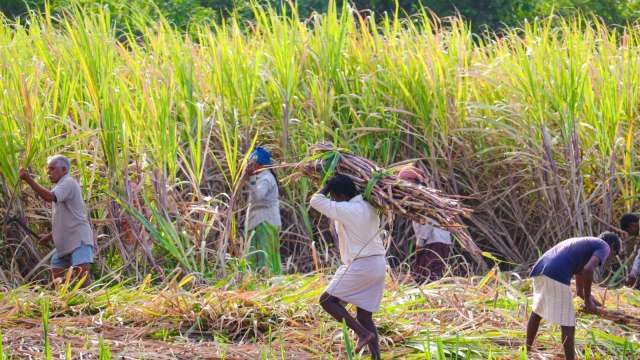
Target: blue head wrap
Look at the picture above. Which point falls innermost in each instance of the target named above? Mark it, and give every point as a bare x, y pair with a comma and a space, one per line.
262, 156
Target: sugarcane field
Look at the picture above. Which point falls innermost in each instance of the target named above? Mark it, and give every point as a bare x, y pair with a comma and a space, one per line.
219, 179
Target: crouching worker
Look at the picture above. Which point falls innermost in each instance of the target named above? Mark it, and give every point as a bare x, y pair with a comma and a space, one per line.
360, 279
70, 231
552, 273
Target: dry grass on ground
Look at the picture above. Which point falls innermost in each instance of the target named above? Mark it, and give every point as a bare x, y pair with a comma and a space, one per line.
244, 318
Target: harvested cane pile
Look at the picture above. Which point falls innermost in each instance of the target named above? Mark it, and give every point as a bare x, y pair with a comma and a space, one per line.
389, 193
620, 317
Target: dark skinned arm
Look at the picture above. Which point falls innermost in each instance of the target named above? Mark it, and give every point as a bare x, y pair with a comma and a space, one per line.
248, 171
43, 192
584, 279
46, 238
325, 190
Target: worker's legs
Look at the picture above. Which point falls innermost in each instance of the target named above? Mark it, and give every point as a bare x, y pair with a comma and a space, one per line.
437, 263
430, 262
332, 305
78, 262
264, 248
57, 273
78, 273
568, 338
59, 266
271, 247
81, 259
532, 329
365, 318
81, 273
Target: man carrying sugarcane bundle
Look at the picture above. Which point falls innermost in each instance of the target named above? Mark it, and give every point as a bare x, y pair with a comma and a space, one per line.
552, 273
433, 244
71, 232
360, 279
263, 222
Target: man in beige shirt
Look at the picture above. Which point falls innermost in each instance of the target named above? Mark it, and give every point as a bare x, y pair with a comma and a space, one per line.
71, 232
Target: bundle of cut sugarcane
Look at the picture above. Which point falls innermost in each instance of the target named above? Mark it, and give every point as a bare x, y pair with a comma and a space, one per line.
389, 193
620, 317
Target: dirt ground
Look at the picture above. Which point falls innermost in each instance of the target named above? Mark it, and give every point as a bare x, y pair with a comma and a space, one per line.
24, 340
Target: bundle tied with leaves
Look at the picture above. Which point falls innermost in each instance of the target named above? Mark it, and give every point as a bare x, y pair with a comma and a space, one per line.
389, 193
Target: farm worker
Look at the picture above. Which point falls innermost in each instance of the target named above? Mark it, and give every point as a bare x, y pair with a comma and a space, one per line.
629, 224
360, 278
263, 215
70, 231
433, 244
552, 273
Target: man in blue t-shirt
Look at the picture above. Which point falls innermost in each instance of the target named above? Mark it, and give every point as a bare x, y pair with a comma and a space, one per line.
552, 273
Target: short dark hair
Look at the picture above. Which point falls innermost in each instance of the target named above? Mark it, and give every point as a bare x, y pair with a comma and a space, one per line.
341, 184
612, 240
627, 220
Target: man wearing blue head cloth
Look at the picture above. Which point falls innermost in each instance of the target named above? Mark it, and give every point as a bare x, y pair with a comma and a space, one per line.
262, 222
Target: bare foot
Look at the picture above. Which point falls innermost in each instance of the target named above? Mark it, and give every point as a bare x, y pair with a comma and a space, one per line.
364, 341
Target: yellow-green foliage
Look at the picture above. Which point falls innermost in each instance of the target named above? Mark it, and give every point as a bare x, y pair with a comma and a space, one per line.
537, 125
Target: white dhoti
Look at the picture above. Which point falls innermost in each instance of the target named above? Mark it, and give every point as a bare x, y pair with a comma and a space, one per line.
553, 301
361, 283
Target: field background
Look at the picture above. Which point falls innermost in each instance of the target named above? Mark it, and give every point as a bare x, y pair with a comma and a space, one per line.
534, 125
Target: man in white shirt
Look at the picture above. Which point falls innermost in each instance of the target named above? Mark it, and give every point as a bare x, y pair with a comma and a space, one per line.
433, 244
360, 280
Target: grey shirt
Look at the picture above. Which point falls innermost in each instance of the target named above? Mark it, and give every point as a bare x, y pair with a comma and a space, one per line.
71, 227
264, 203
